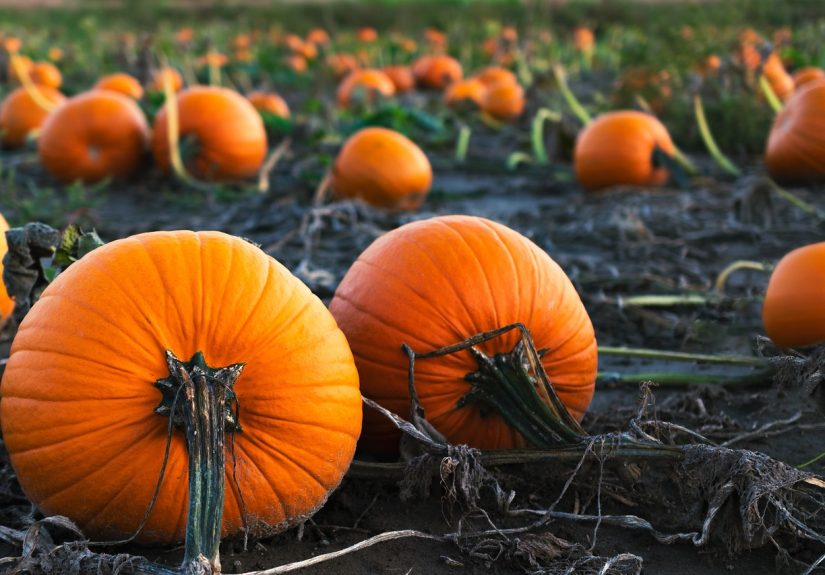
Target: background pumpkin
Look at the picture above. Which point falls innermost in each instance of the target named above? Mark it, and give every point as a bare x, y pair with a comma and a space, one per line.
383, 168
78, 392
402, 78
437, 72
229, 134
269, 102
366, 85
20, 114
503, 101
794, 308
122, 83
495, 75
796, 144
436, 282
617, 148
46, 74
807, 74
158, 80
466, 91
94, 135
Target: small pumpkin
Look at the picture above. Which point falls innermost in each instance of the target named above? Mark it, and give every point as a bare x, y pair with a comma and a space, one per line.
781, 82
366, 84
503, 101
121, 83
158, 80
806, 75
342, 64
618, 148
6, 302
402, 78
583, 39
435, 282
496, 75
793, 312
94, 135
318, 36
383, 168
46, 74
437, 72
228, 134
269, 102
82, 394
296, 63
20, 114
796, 144
463, 92
367, 35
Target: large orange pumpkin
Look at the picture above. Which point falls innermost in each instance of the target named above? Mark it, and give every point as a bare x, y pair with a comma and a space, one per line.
436, 282
6, 303
79, 392
20, 114
794, 309
366, 84
383, 168
269, 102
122, 83
806, 75
229, 135
796, 144
437, 72
94, 135
503, 101
618, 148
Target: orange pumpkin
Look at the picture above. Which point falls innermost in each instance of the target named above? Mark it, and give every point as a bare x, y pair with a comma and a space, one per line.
6, 303
94, 135
121, 83
583, 39
466, 91
296, 63
229, 133
796, 144
794, 309
383, 168
437, 72
402, 78
366, 85
46, 74
158, 80
496, 75
367, 35
342, 64
318, 36
78, 395
807, 74
23, 62
618, 147
503, 101
20, 114
781, 82
269, 102
436, 282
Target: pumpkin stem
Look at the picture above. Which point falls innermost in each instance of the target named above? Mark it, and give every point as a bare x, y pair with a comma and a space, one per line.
462, 143
561, 80
773, 100
710, 142
30, 87
206, 410
537, 133
722, 278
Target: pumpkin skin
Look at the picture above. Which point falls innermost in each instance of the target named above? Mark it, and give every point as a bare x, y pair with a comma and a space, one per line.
342, 64
370, 83
779, 79
20, 114
617, 147
583, 39
466, 91
6, 303
806, 75
503, 101
495, 75
402, 78
85, 442
230, 133
46, 74
158, 80
796, 145
121, 83
437, 72
793, 312
94, 135
437, 282
269, 102
384, 168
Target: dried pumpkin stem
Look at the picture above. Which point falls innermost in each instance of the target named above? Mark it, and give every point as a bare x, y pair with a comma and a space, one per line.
707, 137
722, 278
537, 133
561, 80
663, 355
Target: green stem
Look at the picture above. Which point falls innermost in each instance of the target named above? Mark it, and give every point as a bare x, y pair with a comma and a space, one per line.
515, 159
683, 356
537, 134
770, 95
722, 278
670, 379
463, 143
710, 143
819, 457
579, 110
666, 300
798, 202
687, 165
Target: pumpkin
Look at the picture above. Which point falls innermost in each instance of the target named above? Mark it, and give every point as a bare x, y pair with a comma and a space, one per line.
794, 308
807, 74
20, 114
437, 72
46, 74
583, 39
269, 102
463, 92
121, 83
229, 134
383, 168
496, 75
318, 36
296, 63
94, 135
6, 303
158, 79
436, 282
402, 78
367, 35
779, 79
79, 392
503, 101
342, 64
796, 144
618, 148
365, 84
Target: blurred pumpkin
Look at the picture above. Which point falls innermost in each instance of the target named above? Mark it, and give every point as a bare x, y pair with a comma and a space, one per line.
653, 85
367, 34
781, 82
92, 136
463, 92
401, 76
796, 143
6, 303
20, 114
583, 39
793, 312
806, 75
269, 102
318, 36
503, 101
496, 75
439, 281
228, 134
184, 35
46, 74
157, 83
296, 63
12, 44
617, 148
437, 72
436, 39
55, 54
709, 66
342, 64
382, 167
121, 83
241, 42
365, 85
749, 57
